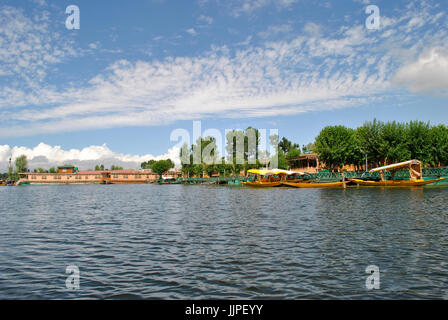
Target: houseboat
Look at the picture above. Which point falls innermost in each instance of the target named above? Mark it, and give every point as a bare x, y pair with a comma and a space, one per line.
71, 175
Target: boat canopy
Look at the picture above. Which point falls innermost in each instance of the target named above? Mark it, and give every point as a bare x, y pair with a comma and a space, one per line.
397, 166
267, 172
414, 167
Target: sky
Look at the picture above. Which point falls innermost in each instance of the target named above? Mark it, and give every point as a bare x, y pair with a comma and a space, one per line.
114, 90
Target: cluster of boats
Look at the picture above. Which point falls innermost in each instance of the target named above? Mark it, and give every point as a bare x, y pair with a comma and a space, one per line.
278, 177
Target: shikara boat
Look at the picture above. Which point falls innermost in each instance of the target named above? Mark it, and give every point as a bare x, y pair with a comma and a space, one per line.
271, 178
395, 183
415, 173
314, 185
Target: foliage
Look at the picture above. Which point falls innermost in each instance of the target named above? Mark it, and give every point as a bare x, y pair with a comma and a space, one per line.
282, 163
21, 163
293, 152
162, 166
145, 165
308, 148
337, 146
384, 143
286, 146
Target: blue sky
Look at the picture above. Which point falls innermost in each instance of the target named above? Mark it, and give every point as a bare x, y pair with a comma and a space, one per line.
134, 72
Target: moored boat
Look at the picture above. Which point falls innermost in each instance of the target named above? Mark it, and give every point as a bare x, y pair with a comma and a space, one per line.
415, 176
395, 183
270, 178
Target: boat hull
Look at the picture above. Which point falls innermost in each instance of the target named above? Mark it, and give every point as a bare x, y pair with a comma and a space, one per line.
262, 184
395, 183
314, 185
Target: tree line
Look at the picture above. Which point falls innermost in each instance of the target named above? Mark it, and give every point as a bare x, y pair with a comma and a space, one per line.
380, 142
383, 143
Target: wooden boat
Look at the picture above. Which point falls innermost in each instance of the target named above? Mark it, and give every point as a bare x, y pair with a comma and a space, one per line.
270, 178
415, 176
394, 183
314, 185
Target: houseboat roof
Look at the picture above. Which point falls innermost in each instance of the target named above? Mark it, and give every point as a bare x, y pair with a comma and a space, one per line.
397, 166
109, 171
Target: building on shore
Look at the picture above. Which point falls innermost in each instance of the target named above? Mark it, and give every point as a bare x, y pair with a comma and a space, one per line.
307, 162
70, 175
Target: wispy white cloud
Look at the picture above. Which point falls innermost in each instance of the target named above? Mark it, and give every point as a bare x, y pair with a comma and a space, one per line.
27, 47
205, 19
191, 31
317, 69
239, 7
275, 30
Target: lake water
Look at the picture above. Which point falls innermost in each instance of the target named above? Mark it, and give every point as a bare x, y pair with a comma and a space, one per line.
175, 241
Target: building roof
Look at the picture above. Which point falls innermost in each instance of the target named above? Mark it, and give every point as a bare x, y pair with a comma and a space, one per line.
307, 156
111, 172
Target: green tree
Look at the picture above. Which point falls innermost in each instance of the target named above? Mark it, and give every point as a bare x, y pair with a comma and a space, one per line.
371, 140
292, 153
395, 143
336, 146
21, 164
419, 141
114, 167
11, 175
285, 145
210, 169
439, 145
242, 148
147, 164
161, 166
282, 163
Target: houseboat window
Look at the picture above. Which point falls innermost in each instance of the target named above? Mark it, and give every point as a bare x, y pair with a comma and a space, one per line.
44, 177
138, 177
115, 177
125, 177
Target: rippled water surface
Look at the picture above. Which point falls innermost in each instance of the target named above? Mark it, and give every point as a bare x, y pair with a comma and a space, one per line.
171, 242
